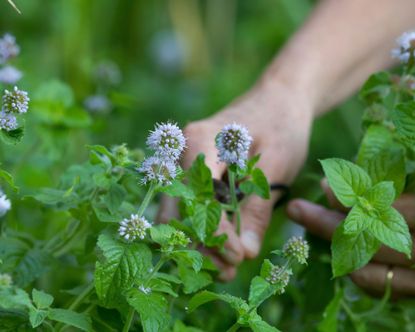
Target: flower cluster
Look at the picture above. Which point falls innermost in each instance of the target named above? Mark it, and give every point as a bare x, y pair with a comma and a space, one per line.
133, 228
233, 143
406, 47
5, 280
14, 102
8, 50
168, 142
178, 239
296, 248
280, 277
5, 204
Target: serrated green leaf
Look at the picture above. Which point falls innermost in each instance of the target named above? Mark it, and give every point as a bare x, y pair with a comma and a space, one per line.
178, 189
258, 325
153, 310
114, 197
259, 291
161, 233
331, 313
206, 219
381, 195
41, 299
357, 220
376, 88
351, 251
180, 327
119, 266
13, 136
8, 178
207, 296
14, 298
189, 258
193, 281
200, 179
72, 318
404, 120
347, 180
36, 317
391, 229
257, 185
161, 286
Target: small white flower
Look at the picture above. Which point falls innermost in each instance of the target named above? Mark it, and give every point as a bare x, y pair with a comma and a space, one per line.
296, 248
157, 169
15, 101
406, 46
10, 75
8, 121
145, 290
133, 228
280, 277
167, 140
8, 48
233, 143
5, 204
97, 104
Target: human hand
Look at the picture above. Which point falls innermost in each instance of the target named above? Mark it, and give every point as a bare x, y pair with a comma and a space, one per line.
279, 121
321, 221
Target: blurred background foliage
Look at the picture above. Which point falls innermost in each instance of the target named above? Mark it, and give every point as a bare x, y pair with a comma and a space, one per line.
179, 60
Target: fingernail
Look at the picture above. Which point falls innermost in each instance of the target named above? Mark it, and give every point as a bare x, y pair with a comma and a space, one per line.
294, 211
250, 241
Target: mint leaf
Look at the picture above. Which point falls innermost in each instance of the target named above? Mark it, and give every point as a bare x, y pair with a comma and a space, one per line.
72, 318
376, 88
161, 233
190, 258
12, 136
178, 189
200, 179
193, 281
153, 310
404, 120
207, 296
351, 251
119, 266
347, 180
381, 195
357, 220
36, 317
257, 185
259, 291
206, 219
41, 299
258, 325
391, 229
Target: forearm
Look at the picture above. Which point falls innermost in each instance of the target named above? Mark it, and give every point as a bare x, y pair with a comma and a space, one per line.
341, 43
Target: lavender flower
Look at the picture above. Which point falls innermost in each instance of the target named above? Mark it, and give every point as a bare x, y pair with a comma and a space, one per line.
233, 144
157, 169
167, 140
10, 75
15, 101
406, 47
296, 248
133, 228
8, 121
5, 204
8, 48
97, 104
280, 277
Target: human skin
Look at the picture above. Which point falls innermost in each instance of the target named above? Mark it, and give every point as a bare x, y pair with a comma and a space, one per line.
326, 60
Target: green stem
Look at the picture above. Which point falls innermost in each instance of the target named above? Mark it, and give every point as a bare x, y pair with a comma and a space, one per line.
155, 270
147, 199
234, 327
129, 320
234, 199
352, 316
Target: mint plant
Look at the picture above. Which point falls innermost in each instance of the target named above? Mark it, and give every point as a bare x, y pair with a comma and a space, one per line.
382, 171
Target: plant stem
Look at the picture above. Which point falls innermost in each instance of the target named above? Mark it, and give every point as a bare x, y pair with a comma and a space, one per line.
147, 199
235, 205
129, 320
234, 327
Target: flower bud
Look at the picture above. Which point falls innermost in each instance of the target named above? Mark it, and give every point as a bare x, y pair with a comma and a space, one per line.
296, 248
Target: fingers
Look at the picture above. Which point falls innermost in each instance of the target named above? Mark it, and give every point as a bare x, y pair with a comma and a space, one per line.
315, 218
373, 278
234, 251
201, 139
405, 204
